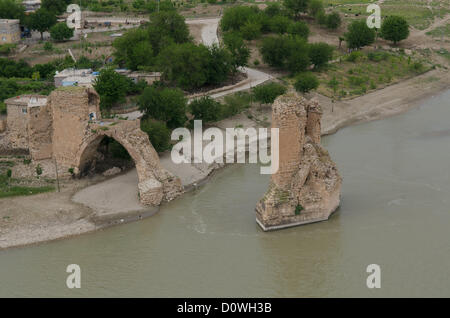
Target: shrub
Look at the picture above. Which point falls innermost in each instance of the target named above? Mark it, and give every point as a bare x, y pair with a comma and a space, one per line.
234, 104
165, 104
158, 133
320, 54
267, 93
286, 52
48, 46
333, 21
251, 30
206, 109
354, 56
299, 28
61, 32
321, 18
395, 29
306, 82
377, 56
280, 24
314, 7
235, 17
359, 34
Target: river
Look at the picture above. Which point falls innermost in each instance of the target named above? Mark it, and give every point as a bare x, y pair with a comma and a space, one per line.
395, 212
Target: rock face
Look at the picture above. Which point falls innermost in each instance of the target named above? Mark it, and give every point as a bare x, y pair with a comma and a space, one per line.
306, 188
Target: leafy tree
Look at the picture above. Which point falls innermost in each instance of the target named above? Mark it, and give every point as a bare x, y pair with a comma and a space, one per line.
299, 28
268, 92
333, 20
273, 9
220, 65
206, 109
166, 104
61, 32
111, 86
10, 68
286, 52
280, 24
10, 9
158, 133
133, 49
395, 29
165, 5
239, 51
235, 17
359, 34
184, 65
251, 30
296, 6
320, 54
46, 70
166, 27
314, 7
41, 20
55, 6
321, 17
306, 82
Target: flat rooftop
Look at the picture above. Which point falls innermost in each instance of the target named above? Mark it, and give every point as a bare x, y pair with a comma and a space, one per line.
27, 100
74, 72
9, 21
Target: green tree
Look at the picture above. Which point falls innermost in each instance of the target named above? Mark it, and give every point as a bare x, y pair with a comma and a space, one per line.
320, 54
267, 93
359, 35
314, 7
219, 66
306, 82
251, 30
61, 32
41, 20
296, 6
165, 104
55, 6
235, 17
395, 29
158, 133
286, 52
206, 109
167, 27
133, 49
280, 24
239, 51
273, 9
111, 86
333, 21
299, 28
184, 65
10, 9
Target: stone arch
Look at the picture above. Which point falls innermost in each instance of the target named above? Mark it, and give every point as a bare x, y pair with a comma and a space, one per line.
155, 184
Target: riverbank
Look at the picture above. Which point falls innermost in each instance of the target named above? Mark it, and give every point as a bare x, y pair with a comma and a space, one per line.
87, 205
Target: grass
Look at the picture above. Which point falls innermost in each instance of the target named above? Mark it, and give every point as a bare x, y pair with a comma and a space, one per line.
438, 32
14, 191
347, 78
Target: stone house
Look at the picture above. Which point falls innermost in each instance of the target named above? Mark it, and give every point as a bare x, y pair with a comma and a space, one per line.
9, 31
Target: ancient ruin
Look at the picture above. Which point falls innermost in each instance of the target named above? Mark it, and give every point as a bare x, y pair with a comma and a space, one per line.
306, 188
67, 128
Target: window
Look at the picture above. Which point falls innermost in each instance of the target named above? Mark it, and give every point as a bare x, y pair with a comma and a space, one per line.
3, 38
24, 110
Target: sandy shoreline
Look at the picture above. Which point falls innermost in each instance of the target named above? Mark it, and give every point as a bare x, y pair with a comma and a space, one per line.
86, 207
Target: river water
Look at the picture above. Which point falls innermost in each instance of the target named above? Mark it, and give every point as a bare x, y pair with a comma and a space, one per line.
395, 212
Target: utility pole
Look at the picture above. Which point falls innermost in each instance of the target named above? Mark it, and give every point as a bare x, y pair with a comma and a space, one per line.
57, 178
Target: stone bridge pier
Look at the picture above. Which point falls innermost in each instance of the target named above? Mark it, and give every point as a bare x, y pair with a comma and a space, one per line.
78, 130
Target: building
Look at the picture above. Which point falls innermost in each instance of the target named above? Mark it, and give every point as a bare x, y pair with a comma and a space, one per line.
73, 77
150, 78
31, 5
9, 31
18, 117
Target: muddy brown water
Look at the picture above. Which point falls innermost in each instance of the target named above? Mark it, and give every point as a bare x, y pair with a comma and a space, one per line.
395, 212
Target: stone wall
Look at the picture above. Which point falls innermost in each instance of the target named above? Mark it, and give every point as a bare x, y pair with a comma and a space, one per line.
40, 132
16, 125
306, 188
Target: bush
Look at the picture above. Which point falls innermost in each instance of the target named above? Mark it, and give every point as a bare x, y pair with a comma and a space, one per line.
234, 104
377, 56
299, 28
206, 109
314, 7
333, 21
48, 46
111, 86
251, 30
354, 56
61, 32
306, 82
321, 18
267, 93
165, 104
286, 52
320, 54
279, 24
359, 35
158, 133
235, 17
395, 29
